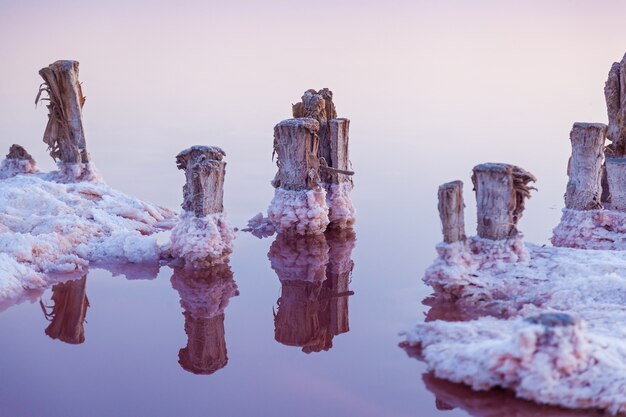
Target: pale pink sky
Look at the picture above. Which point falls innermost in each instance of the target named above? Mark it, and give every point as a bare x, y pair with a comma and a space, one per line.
435, 87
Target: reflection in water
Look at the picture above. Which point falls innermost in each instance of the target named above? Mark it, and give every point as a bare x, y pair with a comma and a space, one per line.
204, 295
68, 313
314, 272
445, 309
492, 403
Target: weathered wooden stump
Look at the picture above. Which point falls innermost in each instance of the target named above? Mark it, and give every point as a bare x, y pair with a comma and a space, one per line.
203, 192
335, 169
615, 94
64, 132
202, 235
616, 176
451, 207
17, 161
204, 295
295, 145
317, 105
68, 313
500, 193
299, 205
584, 188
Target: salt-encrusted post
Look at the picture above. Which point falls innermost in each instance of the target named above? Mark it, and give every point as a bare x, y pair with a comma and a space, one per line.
615, 95
17, 161
299, 203
202, 235
616, 177
335, 167
336, 172
584, 188
64, 132
203, 192
500, 193
451, 211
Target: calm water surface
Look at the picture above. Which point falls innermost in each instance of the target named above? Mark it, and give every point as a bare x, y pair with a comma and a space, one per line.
307, 327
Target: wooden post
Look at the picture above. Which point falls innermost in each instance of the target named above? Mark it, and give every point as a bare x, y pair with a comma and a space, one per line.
335, 166
333, 134
19, 153
319, 106
68, 312
584, 188
616, 176
296, 145
500, 193
64, 132
451, 211
17, 161
203, 191
615, 95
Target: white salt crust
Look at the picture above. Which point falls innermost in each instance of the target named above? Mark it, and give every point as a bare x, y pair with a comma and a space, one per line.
301, 212
200, 241
12, 167
260, 226
49, 228
341, 211
583, 366
591, 229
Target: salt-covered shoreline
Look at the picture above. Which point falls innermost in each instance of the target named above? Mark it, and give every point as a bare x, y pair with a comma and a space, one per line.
508, 283
50, 229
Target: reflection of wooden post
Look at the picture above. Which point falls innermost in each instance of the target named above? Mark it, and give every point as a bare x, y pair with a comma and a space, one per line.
300, 264
205, 352
500, 193
69, 311
203, 191
295, 144
296, 323
615, 94
204, 295
64, 133
584, 188
451, 211
338, 271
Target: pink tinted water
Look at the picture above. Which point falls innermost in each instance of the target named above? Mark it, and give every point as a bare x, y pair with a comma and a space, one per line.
431, 89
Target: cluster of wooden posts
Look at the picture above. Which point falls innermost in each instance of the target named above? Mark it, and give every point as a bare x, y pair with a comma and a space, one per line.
311, 148
597, 175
